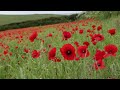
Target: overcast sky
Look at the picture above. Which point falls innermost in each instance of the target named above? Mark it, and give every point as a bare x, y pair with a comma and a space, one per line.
38, 12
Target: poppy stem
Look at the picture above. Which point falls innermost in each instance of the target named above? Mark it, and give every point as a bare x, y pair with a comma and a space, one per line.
56, 70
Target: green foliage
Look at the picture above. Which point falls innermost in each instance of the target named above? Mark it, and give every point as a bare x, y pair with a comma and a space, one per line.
99, 14
73, 17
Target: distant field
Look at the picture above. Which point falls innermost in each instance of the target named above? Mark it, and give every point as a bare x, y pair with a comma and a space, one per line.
7, 19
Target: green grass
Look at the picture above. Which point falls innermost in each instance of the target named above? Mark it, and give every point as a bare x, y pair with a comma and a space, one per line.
42, 68
7, 19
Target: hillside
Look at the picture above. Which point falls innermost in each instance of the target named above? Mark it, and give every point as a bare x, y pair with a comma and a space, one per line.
7, 19
25, 21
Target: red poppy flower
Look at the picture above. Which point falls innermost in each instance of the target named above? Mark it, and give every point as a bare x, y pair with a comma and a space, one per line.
33, 36
66, 35
56, 59
35, 54
93, 26
68, 52
99, 28
81, 31
77, 44
91, 35
16, 47
21, 36
52, 53
94, 42
86, 43
76, 28
10, 53
99, 55
1, 36
111, 50
43, 41
5, 52
112, 31
83, 24
99, 65
26, 50
6, 47
49, 46
89, 30
97, 37
17, 37
73, 29
50, 35
83, 52
23, 56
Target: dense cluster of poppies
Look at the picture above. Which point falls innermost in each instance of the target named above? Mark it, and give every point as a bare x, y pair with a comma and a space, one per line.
72, 51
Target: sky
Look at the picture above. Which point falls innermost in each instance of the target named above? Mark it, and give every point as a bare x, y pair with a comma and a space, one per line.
38, 12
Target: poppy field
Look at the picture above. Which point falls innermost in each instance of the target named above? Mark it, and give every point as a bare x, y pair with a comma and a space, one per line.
85, 49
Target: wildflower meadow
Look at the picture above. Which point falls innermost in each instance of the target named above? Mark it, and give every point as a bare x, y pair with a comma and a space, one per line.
84, 49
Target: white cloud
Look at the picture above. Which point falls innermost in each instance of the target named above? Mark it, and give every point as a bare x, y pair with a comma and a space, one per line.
38, 12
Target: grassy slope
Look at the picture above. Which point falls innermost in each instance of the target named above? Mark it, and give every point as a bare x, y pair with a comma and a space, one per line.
7, 19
